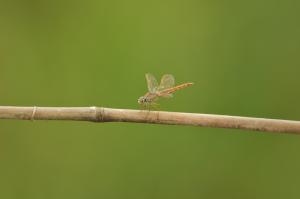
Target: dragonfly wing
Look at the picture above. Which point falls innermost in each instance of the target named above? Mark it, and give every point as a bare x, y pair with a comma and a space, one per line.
167, 81
151, 83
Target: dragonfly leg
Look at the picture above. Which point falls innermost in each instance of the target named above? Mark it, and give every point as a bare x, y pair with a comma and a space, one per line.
154, 106
142, 106
145, 106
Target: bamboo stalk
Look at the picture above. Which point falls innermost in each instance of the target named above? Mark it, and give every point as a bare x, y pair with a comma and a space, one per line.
100, 114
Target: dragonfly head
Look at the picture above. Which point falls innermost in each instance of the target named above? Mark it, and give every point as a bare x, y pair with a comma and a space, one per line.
142, 100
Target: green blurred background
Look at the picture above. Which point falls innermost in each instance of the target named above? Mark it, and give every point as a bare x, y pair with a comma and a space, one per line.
243, 57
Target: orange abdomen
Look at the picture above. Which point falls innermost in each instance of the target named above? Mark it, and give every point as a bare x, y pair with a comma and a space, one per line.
175, 88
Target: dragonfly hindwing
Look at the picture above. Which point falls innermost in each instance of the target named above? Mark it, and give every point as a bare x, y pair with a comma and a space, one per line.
167, 81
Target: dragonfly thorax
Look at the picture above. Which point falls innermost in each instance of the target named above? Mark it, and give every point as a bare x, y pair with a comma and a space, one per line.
143, 100
148, 98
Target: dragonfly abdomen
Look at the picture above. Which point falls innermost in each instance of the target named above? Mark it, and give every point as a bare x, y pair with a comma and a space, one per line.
175, 88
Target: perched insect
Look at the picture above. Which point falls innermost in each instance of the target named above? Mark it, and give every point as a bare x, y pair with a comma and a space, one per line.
166, 88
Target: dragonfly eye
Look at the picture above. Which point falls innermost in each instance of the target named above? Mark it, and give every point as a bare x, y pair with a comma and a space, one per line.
141, 100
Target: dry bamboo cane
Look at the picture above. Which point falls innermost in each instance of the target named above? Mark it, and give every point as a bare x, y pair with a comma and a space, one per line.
100, 114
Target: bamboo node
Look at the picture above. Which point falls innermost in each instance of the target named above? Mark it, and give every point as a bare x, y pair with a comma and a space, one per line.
33, 113
99, 114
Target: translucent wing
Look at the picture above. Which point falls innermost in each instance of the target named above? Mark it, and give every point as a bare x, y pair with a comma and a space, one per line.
167, 81
151, 83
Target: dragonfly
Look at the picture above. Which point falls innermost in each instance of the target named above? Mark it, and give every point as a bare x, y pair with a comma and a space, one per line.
165, 89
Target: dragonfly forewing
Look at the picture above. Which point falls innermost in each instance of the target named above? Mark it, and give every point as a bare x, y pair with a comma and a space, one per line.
151, 83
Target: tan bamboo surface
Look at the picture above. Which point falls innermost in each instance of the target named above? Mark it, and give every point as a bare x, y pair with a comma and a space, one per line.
101, 114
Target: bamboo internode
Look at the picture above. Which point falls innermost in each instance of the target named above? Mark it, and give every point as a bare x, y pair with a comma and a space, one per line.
100, 114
